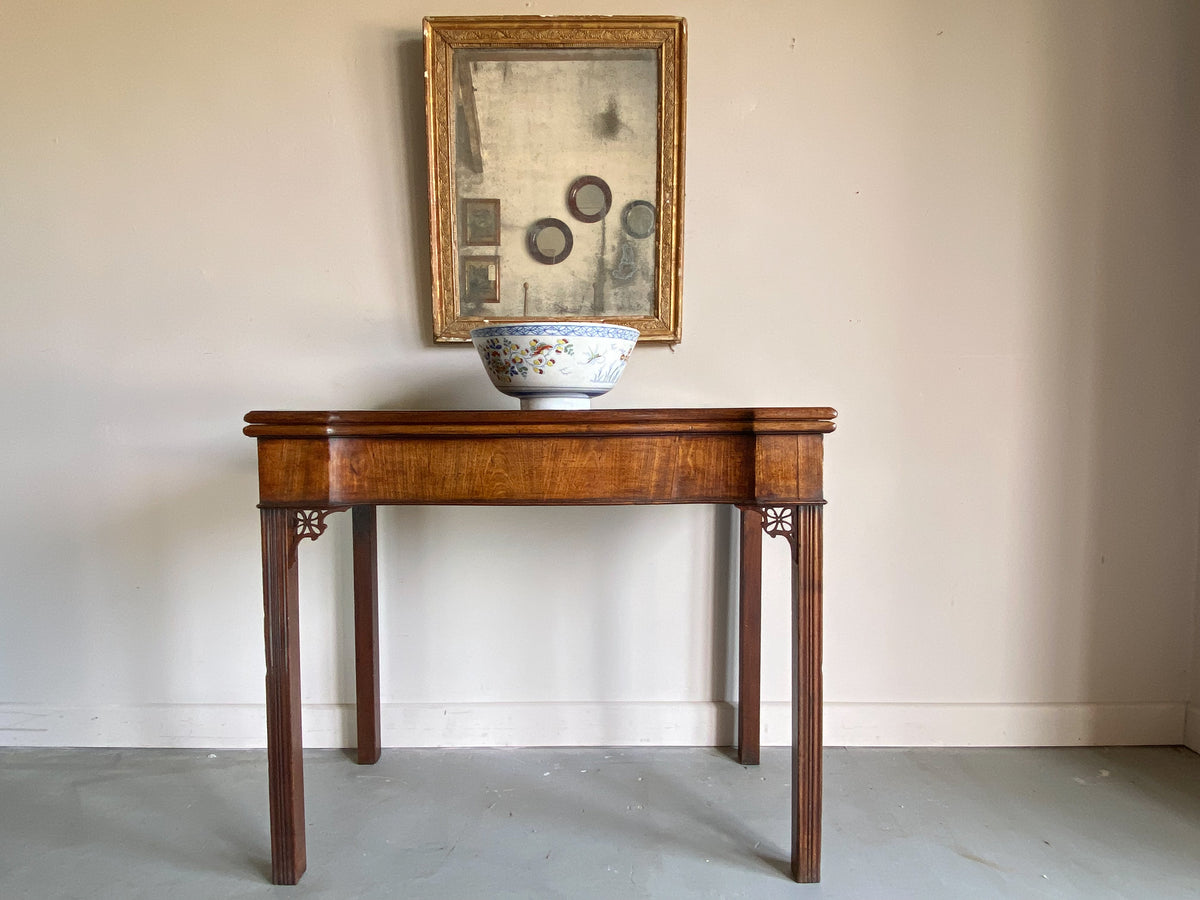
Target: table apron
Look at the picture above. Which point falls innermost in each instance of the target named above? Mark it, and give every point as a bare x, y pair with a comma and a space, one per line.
749, 469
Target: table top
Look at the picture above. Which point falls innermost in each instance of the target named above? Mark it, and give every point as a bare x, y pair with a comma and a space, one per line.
544, 457
482, 423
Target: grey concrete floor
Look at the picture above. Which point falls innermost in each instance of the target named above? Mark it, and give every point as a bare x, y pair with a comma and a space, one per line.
605, 823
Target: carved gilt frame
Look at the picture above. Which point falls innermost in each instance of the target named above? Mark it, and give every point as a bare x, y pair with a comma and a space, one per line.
656, 41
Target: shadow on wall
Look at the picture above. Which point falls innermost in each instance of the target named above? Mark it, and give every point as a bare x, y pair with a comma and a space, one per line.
394, 93
1114, 436
410, 89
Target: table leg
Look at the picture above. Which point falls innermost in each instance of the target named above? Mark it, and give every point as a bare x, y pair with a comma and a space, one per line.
285, 752
366, 634
749, 637
806, 703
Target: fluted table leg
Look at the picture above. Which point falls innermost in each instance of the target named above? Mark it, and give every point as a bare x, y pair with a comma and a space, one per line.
806, 701
285, 752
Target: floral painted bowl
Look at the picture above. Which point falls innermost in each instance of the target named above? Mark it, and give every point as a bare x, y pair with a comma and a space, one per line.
554, 365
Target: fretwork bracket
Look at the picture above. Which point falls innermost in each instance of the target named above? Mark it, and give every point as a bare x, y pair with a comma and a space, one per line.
780, 521
310, 524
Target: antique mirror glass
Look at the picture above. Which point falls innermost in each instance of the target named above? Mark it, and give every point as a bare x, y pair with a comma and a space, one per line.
543, 133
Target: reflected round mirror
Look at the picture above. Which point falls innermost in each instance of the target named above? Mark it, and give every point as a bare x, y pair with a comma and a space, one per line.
549, 241
589, 198
638, 218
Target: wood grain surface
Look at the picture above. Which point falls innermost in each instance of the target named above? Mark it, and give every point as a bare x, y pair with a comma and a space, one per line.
580, 457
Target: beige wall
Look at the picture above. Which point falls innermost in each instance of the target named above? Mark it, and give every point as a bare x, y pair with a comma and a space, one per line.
970, 226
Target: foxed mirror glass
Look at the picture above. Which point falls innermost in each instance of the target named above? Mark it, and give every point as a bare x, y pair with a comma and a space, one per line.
543, 133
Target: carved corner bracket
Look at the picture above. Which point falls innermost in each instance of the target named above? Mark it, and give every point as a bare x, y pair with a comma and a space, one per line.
782, 521
310, 523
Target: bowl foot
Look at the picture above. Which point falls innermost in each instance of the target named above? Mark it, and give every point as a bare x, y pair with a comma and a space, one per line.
556, 402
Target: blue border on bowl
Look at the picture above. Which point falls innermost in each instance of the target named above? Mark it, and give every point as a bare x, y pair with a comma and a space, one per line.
558, 329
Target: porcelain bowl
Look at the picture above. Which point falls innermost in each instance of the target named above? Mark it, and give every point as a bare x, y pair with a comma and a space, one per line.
554, 365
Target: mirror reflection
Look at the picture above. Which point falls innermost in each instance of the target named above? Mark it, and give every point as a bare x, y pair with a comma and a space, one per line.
526, 124
589, 203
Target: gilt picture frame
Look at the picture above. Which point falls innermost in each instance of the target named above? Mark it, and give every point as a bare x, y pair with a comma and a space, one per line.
522, 111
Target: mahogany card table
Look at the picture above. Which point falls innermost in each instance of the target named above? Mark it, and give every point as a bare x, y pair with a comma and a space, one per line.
767, 462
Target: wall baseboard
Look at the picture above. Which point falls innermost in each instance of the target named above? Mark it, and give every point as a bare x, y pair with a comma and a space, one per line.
1191, 727
995, 724
679, 724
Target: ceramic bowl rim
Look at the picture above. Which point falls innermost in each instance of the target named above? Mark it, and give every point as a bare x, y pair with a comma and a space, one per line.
559, 329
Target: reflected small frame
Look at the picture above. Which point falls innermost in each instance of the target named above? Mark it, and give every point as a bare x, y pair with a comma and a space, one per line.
481, 222
462, 145
481, 279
